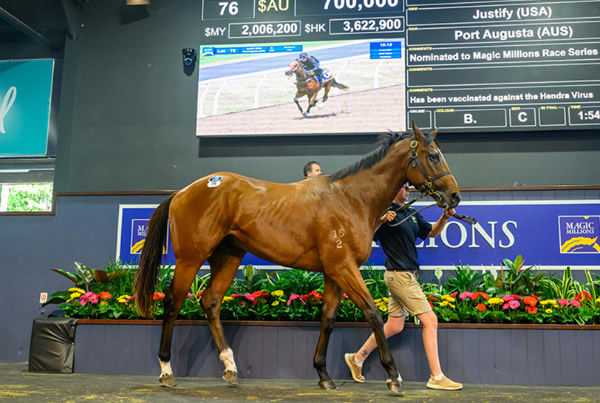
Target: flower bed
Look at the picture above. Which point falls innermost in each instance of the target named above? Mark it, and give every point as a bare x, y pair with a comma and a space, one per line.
514, 294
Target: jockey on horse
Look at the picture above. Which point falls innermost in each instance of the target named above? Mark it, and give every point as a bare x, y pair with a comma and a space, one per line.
311, 66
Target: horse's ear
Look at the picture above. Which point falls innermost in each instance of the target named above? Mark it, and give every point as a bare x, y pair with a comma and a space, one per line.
416, 130
434, 133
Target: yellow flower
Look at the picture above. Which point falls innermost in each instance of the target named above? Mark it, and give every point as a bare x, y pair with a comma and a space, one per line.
382, 307
548, 310
275, 303
448, 298
495, 301
76, 289
123, 298
446, 302
277, 293
75, 294
227, 298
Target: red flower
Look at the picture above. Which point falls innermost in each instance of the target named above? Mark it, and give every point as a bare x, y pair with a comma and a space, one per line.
158, 295
531, 309
478, 294
105, 295
582, 296
530, 301
315, 294
430, 304
454, 294
431, 297
481, 307
201, 292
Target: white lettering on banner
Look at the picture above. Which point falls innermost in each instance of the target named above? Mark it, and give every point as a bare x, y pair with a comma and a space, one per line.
7, 103
509, 235
490, 237
463, 235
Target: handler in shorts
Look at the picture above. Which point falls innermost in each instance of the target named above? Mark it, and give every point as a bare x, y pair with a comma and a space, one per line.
405, 294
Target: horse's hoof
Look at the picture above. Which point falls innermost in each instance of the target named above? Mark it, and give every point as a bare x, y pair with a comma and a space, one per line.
231, 377
395, 386
327, 385
167, 380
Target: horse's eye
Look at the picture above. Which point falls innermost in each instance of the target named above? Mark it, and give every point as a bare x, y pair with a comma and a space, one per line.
434, 157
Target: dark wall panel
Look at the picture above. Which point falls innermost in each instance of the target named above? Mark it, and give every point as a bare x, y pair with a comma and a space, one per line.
128, 120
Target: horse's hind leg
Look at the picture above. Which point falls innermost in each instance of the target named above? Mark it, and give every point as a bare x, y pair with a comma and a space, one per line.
224, 263
185, 273
327, 89
331, 300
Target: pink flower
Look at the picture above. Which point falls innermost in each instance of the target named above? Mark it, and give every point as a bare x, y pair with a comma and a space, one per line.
189, 295
88, 297
507, 298
517, 297
250, 297
575, 303
454, 294
563, 302
466, 294
235, 295
293, 297
512, 304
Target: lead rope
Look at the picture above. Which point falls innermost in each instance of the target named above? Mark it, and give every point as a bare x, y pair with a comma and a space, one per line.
464, 218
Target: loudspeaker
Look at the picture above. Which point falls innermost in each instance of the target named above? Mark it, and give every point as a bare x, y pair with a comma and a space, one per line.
189, 60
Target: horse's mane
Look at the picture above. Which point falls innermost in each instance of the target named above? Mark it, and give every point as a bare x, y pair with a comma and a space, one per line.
366, 162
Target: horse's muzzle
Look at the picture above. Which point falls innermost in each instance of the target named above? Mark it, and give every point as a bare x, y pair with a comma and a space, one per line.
454, 199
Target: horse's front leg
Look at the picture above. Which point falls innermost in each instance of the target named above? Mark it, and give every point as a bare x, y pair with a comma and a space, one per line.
331, 300
297, 101
352, 283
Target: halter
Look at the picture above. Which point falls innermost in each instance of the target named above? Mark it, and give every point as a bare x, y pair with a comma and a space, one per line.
426, 188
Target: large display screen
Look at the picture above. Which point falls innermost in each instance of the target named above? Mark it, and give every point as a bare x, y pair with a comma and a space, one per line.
456, 65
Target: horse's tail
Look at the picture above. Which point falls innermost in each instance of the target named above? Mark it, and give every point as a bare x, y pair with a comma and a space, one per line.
339, 85
145, 278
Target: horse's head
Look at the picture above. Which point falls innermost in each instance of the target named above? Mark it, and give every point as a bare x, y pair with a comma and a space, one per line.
428, 171
294, 67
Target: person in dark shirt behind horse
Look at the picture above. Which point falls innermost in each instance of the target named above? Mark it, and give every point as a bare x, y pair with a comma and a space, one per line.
311, 65
311, 168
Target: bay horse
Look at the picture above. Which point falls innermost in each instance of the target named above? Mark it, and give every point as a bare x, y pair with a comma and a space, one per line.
308, 85
322, 224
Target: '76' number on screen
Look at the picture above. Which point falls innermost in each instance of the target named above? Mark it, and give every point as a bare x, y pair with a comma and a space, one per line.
230, 6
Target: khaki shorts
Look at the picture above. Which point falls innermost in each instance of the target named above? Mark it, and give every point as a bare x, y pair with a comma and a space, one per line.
406, 295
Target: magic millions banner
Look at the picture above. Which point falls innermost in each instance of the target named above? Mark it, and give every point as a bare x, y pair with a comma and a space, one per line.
551, 234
